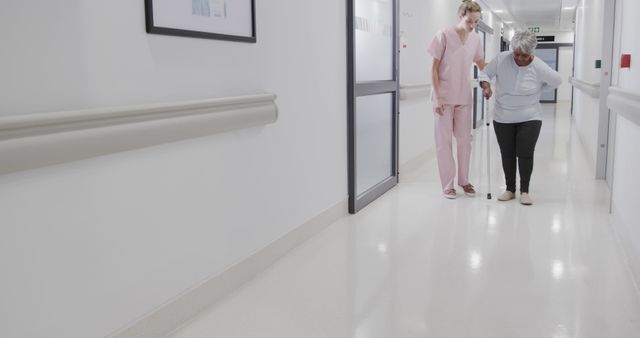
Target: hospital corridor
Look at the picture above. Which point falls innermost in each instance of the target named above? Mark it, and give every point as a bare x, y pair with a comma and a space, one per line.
333, 169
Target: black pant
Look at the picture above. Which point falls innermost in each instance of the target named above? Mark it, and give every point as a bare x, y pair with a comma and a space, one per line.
517, 140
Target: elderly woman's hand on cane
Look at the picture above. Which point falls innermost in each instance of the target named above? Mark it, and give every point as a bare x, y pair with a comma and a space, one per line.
486, 89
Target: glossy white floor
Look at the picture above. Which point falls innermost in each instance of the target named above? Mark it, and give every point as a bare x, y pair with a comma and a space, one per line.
414, 264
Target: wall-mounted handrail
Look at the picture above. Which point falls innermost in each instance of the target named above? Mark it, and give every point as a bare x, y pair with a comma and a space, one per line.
40, 139
414, 90
591, 89
625, 103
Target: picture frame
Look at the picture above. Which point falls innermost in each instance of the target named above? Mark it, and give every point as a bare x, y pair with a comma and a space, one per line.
231, 20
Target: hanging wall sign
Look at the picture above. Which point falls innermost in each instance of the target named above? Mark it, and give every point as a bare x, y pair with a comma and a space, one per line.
546, 38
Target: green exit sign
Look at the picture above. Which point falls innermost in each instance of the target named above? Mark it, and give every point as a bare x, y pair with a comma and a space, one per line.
534, 29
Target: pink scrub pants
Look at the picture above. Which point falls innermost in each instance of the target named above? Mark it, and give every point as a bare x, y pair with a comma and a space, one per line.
455, 121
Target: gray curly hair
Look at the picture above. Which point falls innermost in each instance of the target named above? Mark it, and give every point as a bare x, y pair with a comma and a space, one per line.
524, 40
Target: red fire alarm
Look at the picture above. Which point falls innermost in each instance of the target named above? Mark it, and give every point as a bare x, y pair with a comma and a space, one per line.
625, 61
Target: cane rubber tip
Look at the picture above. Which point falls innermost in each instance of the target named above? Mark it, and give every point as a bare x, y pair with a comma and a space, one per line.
488, 196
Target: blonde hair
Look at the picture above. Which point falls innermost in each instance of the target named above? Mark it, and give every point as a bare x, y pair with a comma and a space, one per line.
469, 6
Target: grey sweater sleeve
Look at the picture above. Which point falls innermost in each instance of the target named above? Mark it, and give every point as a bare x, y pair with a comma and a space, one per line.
548, 76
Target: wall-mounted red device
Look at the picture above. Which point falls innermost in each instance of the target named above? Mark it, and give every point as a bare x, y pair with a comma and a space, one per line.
625, 61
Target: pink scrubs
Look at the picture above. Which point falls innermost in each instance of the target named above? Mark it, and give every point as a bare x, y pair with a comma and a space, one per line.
456, 59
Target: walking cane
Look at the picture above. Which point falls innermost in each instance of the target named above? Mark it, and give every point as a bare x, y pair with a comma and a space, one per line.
488, 153
488, 162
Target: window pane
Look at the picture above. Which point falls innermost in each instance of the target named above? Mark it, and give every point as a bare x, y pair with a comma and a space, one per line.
373, 140
374, 40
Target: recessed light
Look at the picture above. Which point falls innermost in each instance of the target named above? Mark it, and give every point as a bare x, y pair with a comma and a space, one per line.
507, 22
567, 8
498, 11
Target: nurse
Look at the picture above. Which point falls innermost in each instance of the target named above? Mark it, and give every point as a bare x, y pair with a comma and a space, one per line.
454, 49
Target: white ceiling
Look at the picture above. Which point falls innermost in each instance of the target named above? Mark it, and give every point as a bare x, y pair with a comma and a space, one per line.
550, 15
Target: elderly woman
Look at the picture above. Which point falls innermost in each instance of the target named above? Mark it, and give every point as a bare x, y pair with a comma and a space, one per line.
520, 79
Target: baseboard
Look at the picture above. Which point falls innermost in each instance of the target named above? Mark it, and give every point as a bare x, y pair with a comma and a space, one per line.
630, 253
417, 161
183, 308
585, 147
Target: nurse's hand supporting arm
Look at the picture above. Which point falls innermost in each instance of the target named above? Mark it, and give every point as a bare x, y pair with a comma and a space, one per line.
435, 82
481, 64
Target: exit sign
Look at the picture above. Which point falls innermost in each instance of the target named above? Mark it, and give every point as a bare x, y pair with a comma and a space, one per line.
534, 29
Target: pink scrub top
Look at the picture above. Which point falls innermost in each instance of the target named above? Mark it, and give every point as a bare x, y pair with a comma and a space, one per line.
455, 65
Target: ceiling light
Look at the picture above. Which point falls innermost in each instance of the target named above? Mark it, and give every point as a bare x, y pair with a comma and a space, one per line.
498, 11
508, 22
567, 8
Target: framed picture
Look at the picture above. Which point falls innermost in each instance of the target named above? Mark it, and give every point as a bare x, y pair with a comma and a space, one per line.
232, 20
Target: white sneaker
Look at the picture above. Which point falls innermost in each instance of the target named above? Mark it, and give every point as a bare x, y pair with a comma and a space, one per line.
450, 193
506, 196
469, 190
525, 199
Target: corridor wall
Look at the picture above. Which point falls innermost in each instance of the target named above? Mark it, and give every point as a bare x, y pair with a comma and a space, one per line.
588, 49
492, 45
419, 22
565, 68
625, 128
88, 247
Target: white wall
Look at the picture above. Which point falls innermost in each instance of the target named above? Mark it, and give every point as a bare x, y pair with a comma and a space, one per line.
626, 163
625, 184
565, 68
629, 43
588, 48
419, 22
493, 40
88, 246
416, 122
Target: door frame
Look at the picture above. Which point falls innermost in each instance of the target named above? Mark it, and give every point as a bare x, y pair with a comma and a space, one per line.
604, 148
357, 202
557, 48
476, 86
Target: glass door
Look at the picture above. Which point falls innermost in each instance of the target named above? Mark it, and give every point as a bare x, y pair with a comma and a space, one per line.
372, 99
548, 54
